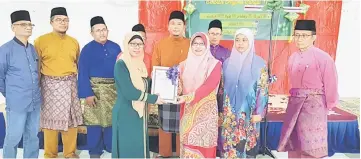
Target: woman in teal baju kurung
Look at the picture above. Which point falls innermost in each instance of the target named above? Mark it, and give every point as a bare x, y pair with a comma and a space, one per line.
129, 118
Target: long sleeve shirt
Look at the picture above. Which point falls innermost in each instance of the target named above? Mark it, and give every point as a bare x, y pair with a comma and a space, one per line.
96, 60
58, 54
314, 68
19, 78
220, 53
170, 51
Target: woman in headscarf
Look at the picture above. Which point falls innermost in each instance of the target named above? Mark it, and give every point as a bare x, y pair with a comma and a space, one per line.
200, 77
129, 118
245, 98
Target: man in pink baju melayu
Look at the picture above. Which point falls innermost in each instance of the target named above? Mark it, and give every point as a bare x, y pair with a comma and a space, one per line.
313, 79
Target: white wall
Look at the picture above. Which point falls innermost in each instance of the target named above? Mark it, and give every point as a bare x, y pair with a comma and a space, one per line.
119, 15
348, 50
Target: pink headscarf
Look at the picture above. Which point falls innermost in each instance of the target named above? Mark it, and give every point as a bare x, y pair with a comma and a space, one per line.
197, 68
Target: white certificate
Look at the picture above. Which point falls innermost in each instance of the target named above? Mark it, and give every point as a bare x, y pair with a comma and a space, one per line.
163, 86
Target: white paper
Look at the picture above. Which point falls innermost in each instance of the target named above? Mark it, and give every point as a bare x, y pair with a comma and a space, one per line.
162, 85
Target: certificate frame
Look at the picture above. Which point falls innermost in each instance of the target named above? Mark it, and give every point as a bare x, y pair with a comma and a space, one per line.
159, 74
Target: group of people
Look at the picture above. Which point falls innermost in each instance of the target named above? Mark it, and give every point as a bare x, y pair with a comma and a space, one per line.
223, 94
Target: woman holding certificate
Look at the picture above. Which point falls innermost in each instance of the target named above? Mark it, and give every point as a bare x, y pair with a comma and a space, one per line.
245, 98
129, 118
200, 76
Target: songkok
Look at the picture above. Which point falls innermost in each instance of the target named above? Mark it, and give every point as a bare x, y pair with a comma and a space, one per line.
138, 27
306, 25
96, 20
20, 15
215, 24
176, 15
58, 11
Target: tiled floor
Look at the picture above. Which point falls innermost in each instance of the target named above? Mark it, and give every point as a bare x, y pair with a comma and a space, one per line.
84, 154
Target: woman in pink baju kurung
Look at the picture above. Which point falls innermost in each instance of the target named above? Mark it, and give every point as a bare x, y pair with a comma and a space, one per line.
313, 78
200, 76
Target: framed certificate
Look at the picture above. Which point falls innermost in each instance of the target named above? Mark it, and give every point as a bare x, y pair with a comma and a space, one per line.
163, 86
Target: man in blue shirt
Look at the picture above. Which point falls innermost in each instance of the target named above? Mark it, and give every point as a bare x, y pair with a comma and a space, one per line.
96, 86
19, 84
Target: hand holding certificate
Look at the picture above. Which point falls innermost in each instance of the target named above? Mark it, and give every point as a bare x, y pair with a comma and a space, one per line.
165, 84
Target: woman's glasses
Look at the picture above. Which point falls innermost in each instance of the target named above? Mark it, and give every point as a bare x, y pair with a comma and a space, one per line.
197, 44
136, 45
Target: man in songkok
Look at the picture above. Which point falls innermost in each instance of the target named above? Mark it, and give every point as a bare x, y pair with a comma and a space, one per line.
169, 52
313, 93
96, 86
221, 53
147, 56
215, 35
19, 84
140, 29
61, 110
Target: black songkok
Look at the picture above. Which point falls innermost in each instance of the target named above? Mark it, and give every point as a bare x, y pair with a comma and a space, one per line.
138, 27
215, 24
96, 20
306, 25
20, 15
58, 11
177, 15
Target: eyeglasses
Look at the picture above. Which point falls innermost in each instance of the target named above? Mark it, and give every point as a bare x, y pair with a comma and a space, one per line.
58, 20
197, 44
136, 45
215, 34
303, 36
100, 31
24, 25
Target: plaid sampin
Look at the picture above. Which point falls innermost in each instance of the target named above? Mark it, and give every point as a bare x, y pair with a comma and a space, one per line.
169, 117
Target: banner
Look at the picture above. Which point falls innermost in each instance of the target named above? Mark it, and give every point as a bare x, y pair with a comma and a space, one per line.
233, 17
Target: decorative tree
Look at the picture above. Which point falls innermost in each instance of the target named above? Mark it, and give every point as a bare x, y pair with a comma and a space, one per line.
189, 9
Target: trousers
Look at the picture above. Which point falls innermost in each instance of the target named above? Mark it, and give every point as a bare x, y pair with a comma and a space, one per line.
165, 144
99, 139
69, 139
22, 125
